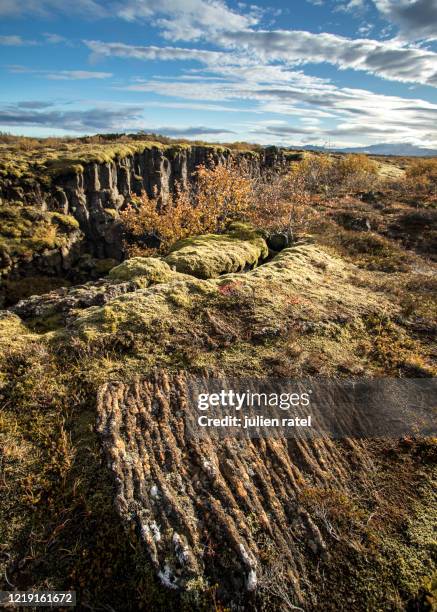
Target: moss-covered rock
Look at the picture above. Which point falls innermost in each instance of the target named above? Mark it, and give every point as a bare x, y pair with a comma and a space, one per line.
211, 255
26, 231
145, 271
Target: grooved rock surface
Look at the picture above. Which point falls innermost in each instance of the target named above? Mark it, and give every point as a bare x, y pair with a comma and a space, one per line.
207, 510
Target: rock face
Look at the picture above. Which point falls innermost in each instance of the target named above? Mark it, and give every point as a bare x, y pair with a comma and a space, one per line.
94, 196
91, 195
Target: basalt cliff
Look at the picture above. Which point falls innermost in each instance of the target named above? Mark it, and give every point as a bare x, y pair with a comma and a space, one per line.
90, 192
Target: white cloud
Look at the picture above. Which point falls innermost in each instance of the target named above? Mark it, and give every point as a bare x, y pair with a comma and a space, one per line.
190, 19
15, 41
315, 106
352, 5
125, 118
48, 8
365, 29
76, 75
389, 59
178, 20
117, 49
54, 39
416, 19
89, 120
187, 131
61, 75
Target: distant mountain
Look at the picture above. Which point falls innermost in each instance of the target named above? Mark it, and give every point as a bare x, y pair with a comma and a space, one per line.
406, 149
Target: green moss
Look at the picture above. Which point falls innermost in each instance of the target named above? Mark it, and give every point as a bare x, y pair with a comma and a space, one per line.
211, 255
65, 222
147, 270
27, 230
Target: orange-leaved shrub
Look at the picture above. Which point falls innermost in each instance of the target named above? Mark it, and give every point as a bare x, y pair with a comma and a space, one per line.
336, 175
421, 175
219, 194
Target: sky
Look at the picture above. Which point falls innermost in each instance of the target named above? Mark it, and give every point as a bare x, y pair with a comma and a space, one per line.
323, 72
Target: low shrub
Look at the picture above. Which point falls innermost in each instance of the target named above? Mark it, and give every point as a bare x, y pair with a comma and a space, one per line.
336, 175
219, 195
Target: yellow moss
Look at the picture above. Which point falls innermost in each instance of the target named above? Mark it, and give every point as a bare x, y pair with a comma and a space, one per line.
211, 255
305, 279
26, 230
145, 270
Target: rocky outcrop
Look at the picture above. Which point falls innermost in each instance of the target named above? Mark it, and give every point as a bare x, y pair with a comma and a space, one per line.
232, 512
92, 194
95, 195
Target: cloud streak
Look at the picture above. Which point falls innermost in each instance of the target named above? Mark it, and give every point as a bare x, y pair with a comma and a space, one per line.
88, 120
15, 41
62, 75
127, 118
388, 60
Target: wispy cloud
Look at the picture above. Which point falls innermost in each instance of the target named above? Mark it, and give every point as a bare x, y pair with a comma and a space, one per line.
55, 39
350, 6
189, 131
76, 75
117, 49
49, 8
61, 75
388, 59
94, 119
32, 113
270, 89
15, 41
34, 104
189, 20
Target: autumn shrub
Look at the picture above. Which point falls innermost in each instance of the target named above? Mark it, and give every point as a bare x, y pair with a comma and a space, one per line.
281, 203
315, 172
422, 176
150, 225
219, 194
336, 175
418, 186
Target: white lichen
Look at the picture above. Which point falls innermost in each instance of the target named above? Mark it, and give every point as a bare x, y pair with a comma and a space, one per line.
167, 578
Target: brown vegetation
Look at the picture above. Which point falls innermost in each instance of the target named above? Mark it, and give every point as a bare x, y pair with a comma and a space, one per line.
220, 194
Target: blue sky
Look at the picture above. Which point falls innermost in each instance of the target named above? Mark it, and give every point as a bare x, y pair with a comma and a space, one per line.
336, 72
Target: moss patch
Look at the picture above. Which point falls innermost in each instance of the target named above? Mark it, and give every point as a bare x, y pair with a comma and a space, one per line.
211, 255
146, 270
27, 230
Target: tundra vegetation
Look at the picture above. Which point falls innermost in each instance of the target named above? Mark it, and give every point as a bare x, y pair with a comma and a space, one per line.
326, 269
